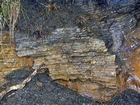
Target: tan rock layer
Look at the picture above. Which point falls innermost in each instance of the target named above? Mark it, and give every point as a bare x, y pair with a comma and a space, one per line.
77, 60
9, 61
88, 64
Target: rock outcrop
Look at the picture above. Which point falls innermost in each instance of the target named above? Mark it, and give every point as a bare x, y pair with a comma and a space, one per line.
75, 57
75, 60
9, 61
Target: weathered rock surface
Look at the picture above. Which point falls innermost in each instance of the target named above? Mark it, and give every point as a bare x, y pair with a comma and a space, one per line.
120, 28
9, 61
130, 56
76, 58
114, 26
71, 57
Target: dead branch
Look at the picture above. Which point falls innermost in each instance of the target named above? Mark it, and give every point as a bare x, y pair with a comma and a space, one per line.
21, 85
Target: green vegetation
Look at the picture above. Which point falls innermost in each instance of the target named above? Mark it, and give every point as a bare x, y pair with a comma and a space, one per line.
9, 12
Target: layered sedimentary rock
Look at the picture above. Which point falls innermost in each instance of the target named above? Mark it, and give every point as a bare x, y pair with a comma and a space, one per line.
9, 61
75, 60
74, 57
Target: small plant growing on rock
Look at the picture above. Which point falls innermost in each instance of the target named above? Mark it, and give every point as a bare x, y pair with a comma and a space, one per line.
1, 26
10, 12
81, 21
50, 6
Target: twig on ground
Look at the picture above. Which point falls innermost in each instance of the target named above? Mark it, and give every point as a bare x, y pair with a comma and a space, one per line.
21, 85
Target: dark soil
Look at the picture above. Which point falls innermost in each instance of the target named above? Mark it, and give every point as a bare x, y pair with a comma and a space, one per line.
35, 17
51, 93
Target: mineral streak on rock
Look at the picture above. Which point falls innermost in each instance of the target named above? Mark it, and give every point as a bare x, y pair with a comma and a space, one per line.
79, 62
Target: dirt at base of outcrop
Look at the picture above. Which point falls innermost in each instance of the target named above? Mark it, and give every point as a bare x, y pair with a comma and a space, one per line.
51, 93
